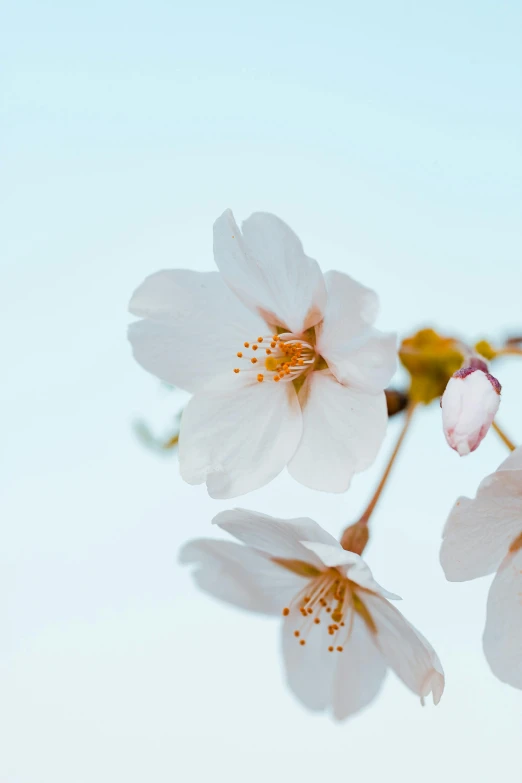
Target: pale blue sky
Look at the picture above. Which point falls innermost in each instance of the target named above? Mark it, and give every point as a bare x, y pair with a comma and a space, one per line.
389, 136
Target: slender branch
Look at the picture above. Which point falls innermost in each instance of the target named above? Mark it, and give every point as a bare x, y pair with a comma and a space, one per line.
503, 437
376, 495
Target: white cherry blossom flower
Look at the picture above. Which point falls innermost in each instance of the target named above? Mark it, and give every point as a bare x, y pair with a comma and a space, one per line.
482, 536
469, 405
340, 632
284, 363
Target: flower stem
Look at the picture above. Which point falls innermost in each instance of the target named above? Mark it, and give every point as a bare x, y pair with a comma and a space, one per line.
510, 350
376, 495
503, 437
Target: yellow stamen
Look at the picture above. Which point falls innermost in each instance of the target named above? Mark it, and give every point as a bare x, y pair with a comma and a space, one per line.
331, 592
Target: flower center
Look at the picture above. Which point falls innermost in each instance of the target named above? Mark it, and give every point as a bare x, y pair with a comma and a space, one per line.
281, 357
333, 599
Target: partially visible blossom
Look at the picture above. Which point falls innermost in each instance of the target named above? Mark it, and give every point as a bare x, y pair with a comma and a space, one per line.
284, 363
482, 536
340, 631
469, 405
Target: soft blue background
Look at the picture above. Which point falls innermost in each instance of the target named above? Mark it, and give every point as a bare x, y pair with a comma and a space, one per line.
389, 136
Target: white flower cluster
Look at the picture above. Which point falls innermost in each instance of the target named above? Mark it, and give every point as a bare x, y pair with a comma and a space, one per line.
287, 369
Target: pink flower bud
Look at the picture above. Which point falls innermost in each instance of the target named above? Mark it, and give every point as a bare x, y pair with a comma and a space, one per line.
469, 405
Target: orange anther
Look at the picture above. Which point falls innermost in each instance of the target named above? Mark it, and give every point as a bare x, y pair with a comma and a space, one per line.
276, 378
246, 345
286, 611
268, 351
236, 369
259, 339
254, 347
296, 633
272, 345
260, 377
254, 360
339, 649
275, 337
330, 649
239, 354
317, 621
302, 642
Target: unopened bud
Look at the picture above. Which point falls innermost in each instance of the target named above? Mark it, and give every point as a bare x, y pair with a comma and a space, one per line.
469, 405
355, 538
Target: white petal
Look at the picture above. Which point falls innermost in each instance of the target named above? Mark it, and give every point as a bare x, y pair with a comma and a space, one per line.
351, 307
513, 462
332, 555
309, 668
241, 576
356, 353
238, 434
407, 652
193, 327
478, 532
342, 432
360, 672
269, 271
285, 538
503, 632
361, 574
368, 363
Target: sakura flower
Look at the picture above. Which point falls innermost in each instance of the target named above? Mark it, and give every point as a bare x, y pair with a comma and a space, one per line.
340, 633
484, 535
284, 363
469, 405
